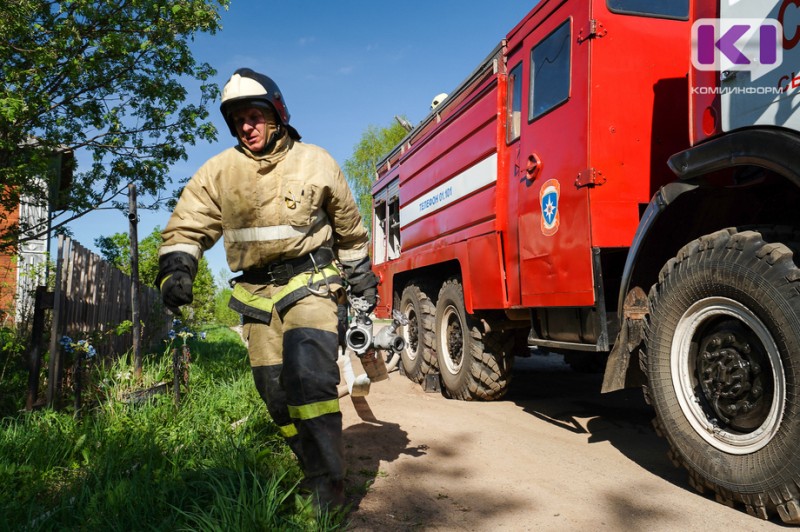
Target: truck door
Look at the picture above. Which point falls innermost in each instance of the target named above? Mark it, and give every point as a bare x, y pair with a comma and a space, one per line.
550, 179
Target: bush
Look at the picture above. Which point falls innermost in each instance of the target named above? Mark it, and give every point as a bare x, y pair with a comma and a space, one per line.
13, 371
222, 312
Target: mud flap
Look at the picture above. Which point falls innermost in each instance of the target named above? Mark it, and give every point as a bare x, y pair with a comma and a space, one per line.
620, 373
432, 383
617, 364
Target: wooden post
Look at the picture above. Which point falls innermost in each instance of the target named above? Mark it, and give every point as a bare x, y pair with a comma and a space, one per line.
55, 370
134, 236
35, 350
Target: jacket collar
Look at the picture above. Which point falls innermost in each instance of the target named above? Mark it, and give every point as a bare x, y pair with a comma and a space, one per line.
275, 153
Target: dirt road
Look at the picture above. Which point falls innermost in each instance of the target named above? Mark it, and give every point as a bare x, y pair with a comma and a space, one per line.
555, 454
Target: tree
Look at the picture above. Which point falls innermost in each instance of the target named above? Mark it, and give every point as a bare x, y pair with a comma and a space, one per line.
106, 77
204, 291
116, 249
361, 168
223, 314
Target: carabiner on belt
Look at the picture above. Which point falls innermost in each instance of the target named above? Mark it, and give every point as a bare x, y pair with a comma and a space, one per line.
316, 292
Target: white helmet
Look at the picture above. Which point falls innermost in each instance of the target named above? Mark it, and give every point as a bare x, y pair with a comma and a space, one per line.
249, 88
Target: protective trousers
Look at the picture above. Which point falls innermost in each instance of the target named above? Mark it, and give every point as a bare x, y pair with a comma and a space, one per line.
294, 366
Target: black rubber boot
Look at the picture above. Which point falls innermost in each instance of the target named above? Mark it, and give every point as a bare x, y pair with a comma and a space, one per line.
326, 494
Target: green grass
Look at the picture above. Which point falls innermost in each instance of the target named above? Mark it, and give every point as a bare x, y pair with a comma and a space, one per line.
216, 463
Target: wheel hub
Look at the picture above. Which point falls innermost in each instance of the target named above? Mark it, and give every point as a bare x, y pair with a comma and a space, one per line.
412, 331
731, 377
728, 375
453, 340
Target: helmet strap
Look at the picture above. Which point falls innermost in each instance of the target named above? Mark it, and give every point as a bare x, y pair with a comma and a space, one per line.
276, 135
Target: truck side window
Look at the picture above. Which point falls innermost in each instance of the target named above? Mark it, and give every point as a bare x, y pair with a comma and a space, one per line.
550, 69
513, 125
386, 223
394, 228
678, 9
379, 232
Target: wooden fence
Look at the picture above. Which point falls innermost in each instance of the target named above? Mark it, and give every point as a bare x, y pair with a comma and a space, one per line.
90, 301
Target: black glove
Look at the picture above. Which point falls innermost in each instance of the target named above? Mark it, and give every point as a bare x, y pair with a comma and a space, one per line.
176, 273
363, 282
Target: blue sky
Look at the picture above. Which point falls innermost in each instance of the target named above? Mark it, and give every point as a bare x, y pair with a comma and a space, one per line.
342, 65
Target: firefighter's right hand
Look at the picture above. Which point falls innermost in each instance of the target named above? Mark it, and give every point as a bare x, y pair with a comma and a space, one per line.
176, 290
176, 273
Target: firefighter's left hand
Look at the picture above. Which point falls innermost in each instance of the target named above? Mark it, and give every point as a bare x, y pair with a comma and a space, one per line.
363, 282
366, 287
370, 295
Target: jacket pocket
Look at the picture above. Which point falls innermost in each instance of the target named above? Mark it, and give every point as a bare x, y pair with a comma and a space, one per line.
300, 203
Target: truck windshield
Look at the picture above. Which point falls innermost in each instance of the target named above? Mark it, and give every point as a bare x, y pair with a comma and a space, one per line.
651, 8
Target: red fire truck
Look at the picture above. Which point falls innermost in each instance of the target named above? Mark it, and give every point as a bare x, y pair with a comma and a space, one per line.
592, 189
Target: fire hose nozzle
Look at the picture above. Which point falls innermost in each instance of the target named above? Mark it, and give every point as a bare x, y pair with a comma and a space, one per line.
386, 338
359, 337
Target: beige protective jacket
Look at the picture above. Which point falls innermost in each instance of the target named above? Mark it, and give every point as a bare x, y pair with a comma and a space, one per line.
268, 208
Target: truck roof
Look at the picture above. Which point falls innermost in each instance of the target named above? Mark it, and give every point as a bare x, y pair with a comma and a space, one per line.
488, 66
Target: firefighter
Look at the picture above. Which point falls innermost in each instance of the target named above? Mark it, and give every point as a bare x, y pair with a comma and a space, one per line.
288, 219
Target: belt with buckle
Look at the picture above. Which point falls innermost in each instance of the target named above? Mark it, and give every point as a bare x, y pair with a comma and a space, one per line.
281, 272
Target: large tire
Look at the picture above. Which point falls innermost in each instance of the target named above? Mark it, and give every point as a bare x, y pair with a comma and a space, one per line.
418, 357
723, 364
473, 365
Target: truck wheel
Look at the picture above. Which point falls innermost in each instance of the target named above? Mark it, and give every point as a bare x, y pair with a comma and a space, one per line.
473, 365
723, 364
417, 358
